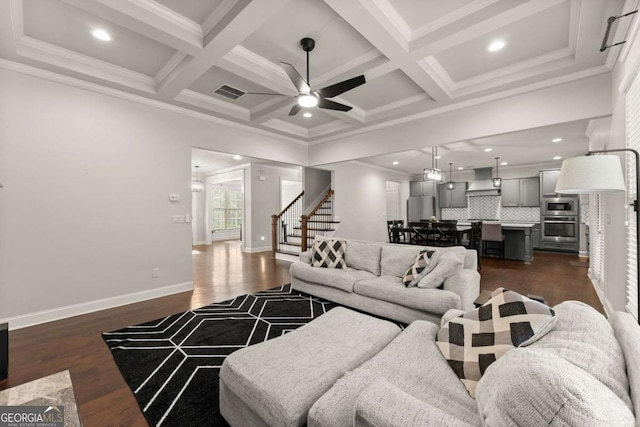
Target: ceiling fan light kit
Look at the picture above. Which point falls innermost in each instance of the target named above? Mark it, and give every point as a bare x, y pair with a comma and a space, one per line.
307, 101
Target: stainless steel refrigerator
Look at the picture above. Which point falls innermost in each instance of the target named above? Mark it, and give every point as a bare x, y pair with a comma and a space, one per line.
420, 207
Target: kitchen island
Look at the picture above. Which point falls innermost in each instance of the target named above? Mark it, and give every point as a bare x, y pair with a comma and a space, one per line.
517, 239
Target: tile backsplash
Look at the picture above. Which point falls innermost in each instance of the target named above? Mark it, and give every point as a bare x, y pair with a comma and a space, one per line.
483, 207
520, 214
454, 213
490, 208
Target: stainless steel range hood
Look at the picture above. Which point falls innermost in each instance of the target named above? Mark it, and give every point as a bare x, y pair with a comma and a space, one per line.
482, 185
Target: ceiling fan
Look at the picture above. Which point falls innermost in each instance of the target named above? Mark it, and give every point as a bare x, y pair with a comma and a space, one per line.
308, 97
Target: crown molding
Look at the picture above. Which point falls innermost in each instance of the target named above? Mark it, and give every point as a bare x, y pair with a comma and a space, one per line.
369, 165
170, 66
283, 126
216, 105
73, 61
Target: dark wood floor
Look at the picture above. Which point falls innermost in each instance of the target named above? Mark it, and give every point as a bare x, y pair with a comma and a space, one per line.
221, 271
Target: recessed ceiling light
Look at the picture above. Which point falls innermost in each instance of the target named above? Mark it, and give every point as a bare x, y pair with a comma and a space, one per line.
460, 168
396, 163
557, 157
556, 140
496, 45
101, 35
437, 157
236, 157
307, 114
486, 150
504, 164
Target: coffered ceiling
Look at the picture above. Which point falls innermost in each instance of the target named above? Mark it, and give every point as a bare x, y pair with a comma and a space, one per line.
416, 55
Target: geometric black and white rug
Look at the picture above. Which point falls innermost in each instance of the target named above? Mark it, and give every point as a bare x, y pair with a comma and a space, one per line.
172, 364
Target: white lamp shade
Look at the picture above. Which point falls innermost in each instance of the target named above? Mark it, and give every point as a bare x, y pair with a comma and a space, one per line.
590, 174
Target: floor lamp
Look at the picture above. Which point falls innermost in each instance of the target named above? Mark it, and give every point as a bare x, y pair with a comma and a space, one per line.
600, 174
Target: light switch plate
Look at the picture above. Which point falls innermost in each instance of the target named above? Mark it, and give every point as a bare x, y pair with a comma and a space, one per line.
174, 197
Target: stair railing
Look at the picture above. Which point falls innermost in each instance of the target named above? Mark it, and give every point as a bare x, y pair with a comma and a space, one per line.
283, 223
305, 219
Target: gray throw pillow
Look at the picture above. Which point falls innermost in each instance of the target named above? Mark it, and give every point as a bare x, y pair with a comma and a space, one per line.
364, 256
447, 264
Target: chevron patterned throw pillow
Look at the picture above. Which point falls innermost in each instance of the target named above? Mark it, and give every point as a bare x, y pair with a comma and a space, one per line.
476, 339
328, 253
423, 264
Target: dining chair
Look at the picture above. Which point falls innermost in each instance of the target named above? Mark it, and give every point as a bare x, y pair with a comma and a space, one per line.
445, 233
492, 233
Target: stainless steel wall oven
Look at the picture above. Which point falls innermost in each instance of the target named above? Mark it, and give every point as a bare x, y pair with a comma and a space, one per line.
560, 228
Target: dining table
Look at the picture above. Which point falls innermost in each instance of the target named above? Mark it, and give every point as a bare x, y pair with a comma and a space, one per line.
424, 233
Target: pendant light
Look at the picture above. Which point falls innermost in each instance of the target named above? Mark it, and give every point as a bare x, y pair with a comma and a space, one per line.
497, 181
196, 184
433, 173
450, 184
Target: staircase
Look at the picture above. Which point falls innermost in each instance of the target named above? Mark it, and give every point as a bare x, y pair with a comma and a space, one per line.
293, 232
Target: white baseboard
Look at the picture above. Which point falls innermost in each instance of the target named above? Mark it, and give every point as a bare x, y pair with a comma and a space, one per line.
257, 249
201, 242
39, 317
608, 308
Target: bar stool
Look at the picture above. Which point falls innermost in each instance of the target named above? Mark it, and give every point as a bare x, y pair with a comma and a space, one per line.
492, 233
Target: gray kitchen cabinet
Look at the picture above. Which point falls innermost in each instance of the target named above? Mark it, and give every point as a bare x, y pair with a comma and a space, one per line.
415, 188
523, 192
530, 192
429, 188
535, 236
510, 193
455, 198
548, 181
422, 188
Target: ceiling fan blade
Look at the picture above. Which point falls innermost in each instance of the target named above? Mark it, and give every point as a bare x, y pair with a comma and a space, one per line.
295, 77
342, 87
332, 105
295, 110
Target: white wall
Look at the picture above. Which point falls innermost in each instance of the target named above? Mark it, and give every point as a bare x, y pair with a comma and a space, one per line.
360, 200
84, 212
264, 202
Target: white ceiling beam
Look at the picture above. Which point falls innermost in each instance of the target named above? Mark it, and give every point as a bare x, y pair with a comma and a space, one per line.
369, 20
229, 32
268, 111
150, 19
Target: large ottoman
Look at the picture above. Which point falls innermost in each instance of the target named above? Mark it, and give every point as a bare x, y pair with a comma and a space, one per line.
274, 383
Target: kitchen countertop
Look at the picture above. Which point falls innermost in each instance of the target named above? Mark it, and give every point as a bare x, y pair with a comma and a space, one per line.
506, 224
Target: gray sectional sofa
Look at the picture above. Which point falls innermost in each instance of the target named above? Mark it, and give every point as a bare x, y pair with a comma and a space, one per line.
349, 369
372, 282
584, 372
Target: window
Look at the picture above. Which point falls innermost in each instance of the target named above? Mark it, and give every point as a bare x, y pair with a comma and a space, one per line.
227, 208
633, 141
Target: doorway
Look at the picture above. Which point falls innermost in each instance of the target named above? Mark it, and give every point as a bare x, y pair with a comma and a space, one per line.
393, 200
